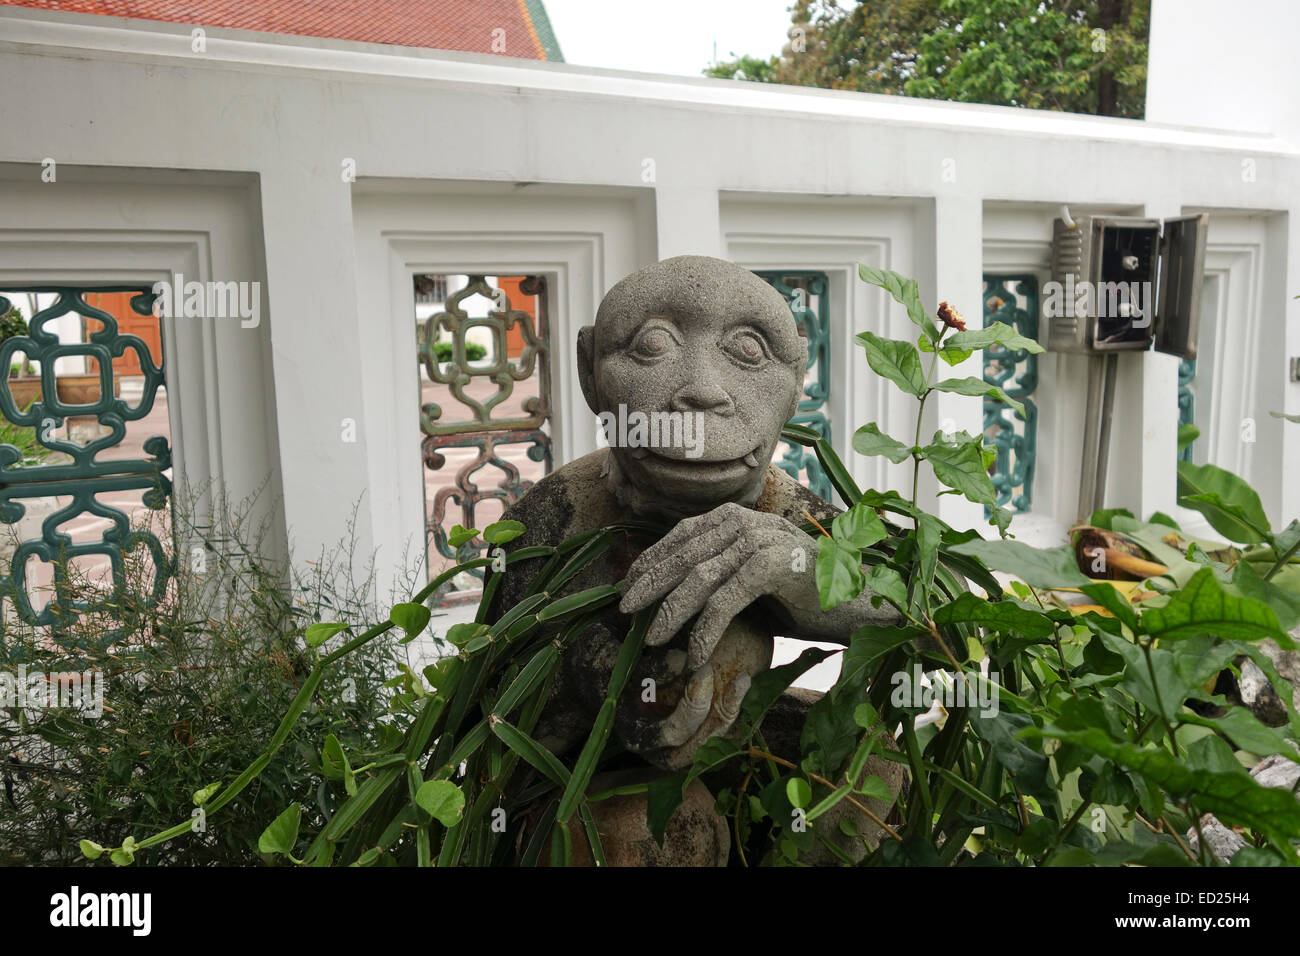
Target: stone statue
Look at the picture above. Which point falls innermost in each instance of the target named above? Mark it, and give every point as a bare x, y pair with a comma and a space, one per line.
693, 365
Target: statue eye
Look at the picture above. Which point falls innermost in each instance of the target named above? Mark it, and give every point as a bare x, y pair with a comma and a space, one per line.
652, 343
747, 347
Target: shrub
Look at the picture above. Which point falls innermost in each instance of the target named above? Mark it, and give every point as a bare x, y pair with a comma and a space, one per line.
193, 688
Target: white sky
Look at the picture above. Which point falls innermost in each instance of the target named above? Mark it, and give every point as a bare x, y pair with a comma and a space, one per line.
666, 36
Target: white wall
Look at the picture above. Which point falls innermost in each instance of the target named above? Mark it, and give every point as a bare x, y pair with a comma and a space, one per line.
463, 159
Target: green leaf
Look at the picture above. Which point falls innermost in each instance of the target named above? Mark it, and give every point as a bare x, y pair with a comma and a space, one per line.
1187, 433
461, 535
499, 532
1038, 568
1109, 598
1231, 795
1202, 606
442, 800
870, 440
838, 573
798, 791
1229, 504
999, 333
458, 635
91, 850
1290, 418
895, 360
977, 386
997, 615
1245, 730
318, 634
282, 834
859, 527
888, 583
411, 618
962, 467
905, 292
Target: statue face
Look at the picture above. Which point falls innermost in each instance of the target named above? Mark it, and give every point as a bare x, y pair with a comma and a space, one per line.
712, 355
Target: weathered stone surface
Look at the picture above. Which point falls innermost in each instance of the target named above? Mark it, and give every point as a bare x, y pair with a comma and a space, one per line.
696, 835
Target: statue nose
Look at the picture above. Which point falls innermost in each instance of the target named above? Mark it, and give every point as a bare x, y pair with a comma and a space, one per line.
701, 395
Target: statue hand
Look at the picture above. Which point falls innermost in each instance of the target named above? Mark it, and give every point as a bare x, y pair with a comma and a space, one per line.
716, 565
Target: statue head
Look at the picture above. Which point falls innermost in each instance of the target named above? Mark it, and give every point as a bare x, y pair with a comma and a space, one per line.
697, 364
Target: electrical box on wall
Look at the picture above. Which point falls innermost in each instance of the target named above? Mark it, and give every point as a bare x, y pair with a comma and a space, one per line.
1120, 283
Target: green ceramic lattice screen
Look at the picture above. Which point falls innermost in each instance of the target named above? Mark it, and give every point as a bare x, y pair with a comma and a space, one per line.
809, 296
80, 471
1012, 299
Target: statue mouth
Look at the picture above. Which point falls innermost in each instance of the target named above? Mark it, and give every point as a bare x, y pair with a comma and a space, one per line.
746, 461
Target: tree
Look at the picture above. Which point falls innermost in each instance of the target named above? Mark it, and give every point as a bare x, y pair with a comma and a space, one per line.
1082, 56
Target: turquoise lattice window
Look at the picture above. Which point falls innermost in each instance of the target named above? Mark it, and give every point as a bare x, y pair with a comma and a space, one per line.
809, 298
78, 465
1012, 299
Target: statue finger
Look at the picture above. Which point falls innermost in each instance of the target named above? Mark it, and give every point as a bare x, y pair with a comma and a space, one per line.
691, 710
741, 590
728, 708
693, 592
649, 580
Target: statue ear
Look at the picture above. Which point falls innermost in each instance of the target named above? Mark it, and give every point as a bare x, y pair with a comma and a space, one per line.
587, 365
799, 371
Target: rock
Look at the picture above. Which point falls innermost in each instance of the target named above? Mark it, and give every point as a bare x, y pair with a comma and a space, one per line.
1224, 842
696, 834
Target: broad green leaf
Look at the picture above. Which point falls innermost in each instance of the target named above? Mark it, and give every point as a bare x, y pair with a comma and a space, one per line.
1233, 796
442, 800
888, 583
1202, 606
1187, 433
895, 360
318, 634
870, 440
282, 834
799, 792
1284, 602
996, 615
1245, 730
905, 292
1038, 568
859, 527
499, 532
999, 333
460, 535
411, 618
1109, 598
91, 850
1230, 505
839, 572
977, 386
962, 468
459, 635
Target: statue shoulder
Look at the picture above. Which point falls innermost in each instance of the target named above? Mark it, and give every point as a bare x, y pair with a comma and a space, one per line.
784, 496
571, 499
